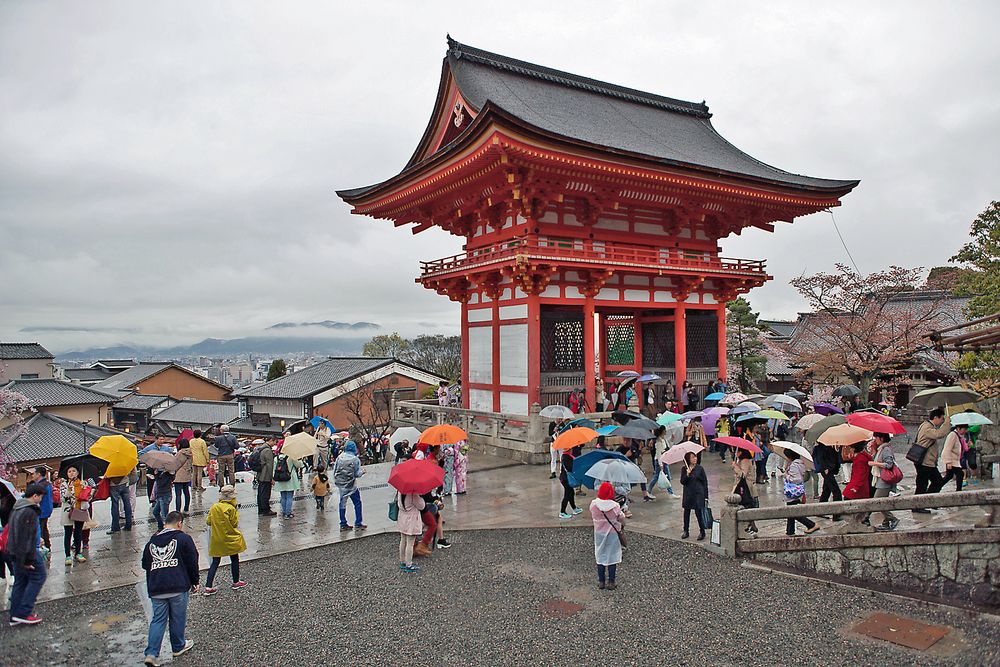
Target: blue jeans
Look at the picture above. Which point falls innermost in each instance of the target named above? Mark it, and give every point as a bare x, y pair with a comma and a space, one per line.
161, 508
27, 583
172, 611
182, 489
656, 476
286, 502
355, 497
119, 494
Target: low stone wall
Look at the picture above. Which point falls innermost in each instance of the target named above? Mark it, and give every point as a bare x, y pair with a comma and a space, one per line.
956, 565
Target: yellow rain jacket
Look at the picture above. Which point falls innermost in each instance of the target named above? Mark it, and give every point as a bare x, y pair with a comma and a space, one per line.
224, 520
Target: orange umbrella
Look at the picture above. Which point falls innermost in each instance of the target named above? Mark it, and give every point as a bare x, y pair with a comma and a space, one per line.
443, 434
574, 437
843, 435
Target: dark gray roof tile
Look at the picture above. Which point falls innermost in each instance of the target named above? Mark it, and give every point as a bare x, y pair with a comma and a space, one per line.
48, 436
24, 351
200, 412
48, 392
314, 379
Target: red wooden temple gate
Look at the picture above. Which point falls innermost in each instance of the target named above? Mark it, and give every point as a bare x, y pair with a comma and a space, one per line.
583, 204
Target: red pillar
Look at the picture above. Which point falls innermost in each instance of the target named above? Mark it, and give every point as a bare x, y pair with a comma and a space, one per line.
589, 384
721, 316
534, 350
465, 356
680, 347
602, 342
496, 354
637, 344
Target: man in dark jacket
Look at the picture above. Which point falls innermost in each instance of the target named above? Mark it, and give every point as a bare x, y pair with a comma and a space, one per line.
265, 477
170, 560
826, 460
225, 446
22, 550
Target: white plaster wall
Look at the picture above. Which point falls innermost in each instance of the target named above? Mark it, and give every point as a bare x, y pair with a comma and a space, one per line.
514, 403
481, 399
513, 312
480, 314
514, 355
481, 355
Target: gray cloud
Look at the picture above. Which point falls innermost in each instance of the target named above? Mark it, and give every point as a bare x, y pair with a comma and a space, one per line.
168, 171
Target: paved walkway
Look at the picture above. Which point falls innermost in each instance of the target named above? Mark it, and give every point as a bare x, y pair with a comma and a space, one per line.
505, 599
501, 494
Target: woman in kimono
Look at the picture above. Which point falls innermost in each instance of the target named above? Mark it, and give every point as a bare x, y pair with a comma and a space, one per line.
609, 522
461, 467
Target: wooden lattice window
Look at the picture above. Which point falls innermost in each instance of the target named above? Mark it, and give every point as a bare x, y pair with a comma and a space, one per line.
561, 342
658, 345
702, 339
620, 342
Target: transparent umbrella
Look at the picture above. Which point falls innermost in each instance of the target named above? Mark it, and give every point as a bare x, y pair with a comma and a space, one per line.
617, 471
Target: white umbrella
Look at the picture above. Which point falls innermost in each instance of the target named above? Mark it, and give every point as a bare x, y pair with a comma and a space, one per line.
617, 471
674, 433
299, 446
969, 419
677, 453
556, 412
808, 421
781, 446
409, 433
782, 402
10, 488
733, 399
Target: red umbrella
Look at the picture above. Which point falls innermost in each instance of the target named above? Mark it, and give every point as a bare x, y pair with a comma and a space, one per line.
739, 443
877, 422
416, 476
187, 434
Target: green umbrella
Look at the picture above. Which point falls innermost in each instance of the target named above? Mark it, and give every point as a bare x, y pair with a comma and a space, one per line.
940, 397
970, 419
822, 425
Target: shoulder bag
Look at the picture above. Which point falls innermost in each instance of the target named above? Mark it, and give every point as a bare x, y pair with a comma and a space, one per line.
891, 475
394, 509
916, 453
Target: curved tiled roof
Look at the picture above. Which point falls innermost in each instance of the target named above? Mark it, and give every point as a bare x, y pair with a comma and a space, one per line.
49, 436
314, 379
47, 392
24, 351
200, 412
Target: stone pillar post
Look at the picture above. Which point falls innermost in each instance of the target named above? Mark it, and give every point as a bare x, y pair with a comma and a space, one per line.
728, 525
537, 435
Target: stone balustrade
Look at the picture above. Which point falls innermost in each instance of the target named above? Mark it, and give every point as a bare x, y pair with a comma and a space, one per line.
957, 564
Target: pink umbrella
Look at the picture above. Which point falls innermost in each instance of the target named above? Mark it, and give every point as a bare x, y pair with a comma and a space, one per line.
739, 443
877, 422
734, 399
677, 453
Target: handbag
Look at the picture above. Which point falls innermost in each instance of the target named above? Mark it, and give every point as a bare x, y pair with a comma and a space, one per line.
393, 510
103, 490
90, 524
79, 515
743, 490
708, 517
916, 453
891, 475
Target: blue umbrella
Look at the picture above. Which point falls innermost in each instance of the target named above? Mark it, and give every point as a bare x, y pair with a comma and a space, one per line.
648, 377
317, 420
717, 396
607, 430
752, 415
582, 464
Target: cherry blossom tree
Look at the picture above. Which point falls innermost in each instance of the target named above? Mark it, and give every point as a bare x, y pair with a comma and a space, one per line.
13, 406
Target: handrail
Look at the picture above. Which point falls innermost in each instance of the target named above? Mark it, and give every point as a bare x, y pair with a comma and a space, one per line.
600, 252
864, 506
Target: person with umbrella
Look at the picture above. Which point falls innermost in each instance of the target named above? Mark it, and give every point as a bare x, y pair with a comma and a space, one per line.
411, 479
929, 479
660, 447
226, 538
569, 495
826, 461
743, 472
163, 486
75, 497
955, 447
695, 483
795, 491
286, 481
609, 522
185, 472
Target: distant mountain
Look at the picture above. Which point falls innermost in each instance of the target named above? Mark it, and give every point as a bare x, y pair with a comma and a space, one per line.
327, 324
214, 347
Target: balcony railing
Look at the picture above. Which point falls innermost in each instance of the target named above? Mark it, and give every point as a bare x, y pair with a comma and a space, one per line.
595, 254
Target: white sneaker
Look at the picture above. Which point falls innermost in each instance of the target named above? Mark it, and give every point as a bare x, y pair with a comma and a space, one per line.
650, 495
188, 645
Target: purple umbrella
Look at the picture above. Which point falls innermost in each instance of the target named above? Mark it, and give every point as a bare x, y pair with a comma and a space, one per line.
711, 419
827, 409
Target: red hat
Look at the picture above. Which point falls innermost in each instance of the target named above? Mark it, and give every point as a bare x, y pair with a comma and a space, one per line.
606, 491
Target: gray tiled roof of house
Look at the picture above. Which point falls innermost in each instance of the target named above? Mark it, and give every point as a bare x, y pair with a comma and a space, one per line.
140, 401
316, 378
131, 376
245, 426
48, 392
48, 436
24, 351
200, 412
87, 374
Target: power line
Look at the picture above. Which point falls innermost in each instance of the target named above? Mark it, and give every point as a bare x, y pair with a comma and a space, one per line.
842, 242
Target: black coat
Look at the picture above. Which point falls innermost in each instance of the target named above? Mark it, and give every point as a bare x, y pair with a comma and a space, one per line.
826, 459
695, 487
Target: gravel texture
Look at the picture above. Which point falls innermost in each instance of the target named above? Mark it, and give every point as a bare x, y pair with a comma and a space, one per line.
503, 597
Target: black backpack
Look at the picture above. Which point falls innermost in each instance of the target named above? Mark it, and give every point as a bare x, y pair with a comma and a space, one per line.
282, 472
255, 463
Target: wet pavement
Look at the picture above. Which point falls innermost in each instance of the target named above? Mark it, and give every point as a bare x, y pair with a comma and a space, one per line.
502, 598
502, 494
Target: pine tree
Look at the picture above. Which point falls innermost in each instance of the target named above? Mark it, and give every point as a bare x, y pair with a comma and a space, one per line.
277, 369
744, 345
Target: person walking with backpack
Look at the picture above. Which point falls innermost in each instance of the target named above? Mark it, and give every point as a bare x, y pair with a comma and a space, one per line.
262, 465
170, 560
226, 539
21, 550
346, 472
286, 482
225, 446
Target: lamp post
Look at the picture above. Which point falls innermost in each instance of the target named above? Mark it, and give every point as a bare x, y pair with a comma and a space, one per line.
85, 436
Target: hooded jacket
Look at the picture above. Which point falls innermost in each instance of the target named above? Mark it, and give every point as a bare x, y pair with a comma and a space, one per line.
226, 538
170, 560
22, 536
347, 469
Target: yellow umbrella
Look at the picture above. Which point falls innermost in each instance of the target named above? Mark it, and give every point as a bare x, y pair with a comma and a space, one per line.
118, 451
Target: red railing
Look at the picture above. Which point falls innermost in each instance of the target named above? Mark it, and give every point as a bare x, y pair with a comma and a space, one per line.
586, 253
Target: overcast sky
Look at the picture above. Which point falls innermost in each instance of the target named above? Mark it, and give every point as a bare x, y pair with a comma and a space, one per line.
167, 170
